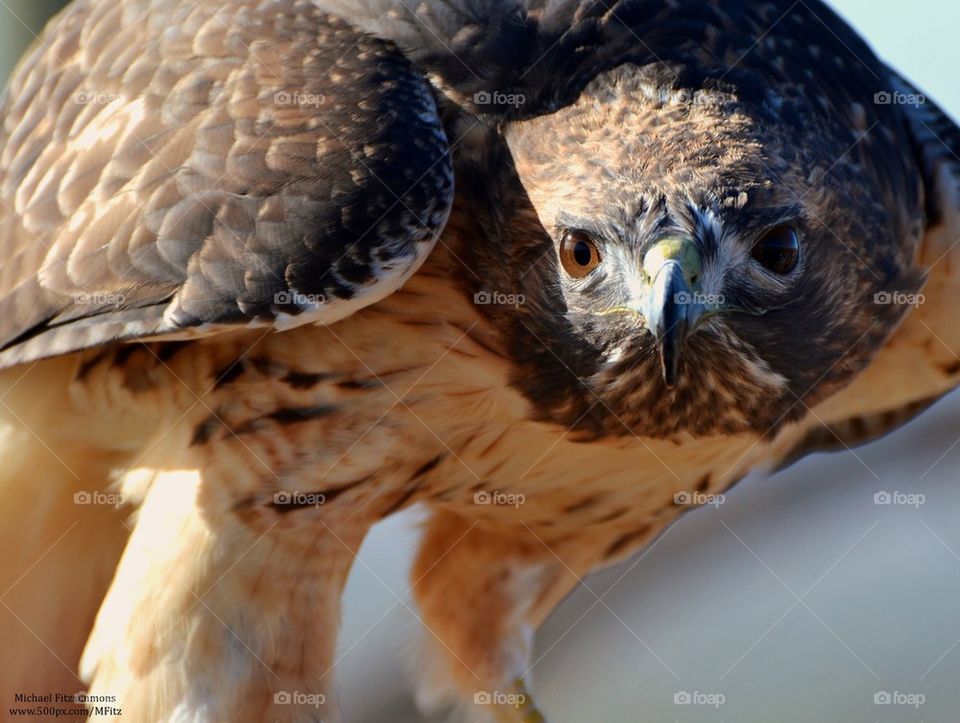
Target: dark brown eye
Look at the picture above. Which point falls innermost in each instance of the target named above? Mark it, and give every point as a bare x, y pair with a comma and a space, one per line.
578, 254
778, 250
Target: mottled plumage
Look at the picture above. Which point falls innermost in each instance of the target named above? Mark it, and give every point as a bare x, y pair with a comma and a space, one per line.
288, 267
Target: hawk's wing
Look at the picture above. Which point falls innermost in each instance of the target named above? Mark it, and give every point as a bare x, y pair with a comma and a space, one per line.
168, 167
921, 361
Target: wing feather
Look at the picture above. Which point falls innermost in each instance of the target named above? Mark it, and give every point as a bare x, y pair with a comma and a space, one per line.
168, 166
921, 361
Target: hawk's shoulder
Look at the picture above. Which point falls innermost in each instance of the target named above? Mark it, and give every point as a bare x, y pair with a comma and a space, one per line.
921, 360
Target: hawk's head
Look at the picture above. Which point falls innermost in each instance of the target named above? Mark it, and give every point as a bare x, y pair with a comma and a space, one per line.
690, 258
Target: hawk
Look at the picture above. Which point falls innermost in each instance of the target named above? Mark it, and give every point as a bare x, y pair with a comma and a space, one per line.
274, 270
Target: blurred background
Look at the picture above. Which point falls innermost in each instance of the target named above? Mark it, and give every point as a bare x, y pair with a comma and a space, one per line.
799, 599
20, 22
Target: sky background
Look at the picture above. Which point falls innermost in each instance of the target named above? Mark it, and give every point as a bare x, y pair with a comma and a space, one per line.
799, 599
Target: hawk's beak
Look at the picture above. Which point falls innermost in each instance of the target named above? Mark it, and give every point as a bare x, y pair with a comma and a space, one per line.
673, 268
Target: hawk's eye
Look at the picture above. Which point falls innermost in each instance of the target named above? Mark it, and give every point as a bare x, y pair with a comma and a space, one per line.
778, 249
578, 254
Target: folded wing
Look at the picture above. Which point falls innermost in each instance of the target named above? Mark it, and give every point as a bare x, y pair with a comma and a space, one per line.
175, 168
